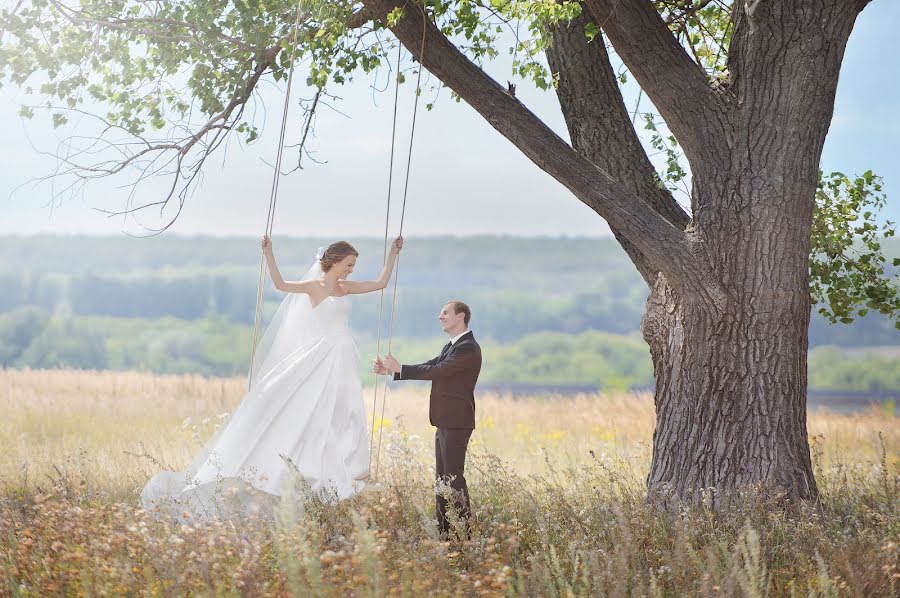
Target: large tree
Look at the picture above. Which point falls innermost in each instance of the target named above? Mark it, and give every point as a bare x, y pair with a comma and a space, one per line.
746, 88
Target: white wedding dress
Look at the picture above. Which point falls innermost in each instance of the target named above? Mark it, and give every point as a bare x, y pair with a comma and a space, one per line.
301, 427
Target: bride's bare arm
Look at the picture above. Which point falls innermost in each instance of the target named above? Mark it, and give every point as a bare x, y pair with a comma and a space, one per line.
288, 286
359, 288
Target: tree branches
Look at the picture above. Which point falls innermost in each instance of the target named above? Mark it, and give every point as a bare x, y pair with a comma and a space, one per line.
666, 246
675, 83
601, 128
173, 77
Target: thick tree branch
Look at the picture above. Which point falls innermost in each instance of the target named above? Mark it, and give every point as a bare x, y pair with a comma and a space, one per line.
666, 246
600, 127
676, 84
821, 24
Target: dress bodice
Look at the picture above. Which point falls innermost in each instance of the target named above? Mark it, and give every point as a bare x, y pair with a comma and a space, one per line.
331, 316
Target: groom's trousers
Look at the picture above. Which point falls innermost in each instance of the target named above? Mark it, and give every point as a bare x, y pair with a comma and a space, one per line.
450, 446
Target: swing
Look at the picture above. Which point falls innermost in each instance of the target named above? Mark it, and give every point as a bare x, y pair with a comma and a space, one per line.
271, 216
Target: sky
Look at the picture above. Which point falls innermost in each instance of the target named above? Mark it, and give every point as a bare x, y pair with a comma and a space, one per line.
465, 178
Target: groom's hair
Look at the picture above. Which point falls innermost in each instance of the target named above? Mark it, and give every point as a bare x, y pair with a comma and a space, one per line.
461, 308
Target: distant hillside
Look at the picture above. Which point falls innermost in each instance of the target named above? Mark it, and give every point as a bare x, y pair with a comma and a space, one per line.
516, 287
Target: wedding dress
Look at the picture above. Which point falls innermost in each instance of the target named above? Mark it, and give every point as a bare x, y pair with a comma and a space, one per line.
301, 427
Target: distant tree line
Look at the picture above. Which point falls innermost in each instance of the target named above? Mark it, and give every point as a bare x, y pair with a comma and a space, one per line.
215, 346
551, 311
516, 287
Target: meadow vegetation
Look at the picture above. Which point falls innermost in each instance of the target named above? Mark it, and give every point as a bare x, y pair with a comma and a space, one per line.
557, 487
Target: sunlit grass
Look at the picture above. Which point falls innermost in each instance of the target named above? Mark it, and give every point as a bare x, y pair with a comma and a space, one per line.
557, 486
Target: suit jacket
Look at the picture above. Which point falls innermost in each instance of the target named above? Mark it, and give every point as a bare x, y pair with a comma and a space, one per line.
453, 375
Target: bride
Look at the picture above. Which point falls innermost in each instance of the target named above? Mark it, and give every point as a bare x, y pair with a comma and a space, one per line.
302, 421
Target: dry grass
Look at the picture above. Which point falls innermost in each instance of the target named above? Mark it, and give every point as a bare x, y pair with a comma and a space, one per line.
557, 487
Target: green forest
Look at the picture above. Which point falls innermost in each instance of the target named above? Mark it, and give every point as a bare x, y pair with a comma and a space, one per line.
559, 311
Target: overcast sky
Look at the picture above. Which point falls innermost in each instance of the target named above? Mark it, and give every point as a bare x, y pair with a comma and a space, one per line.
465, 179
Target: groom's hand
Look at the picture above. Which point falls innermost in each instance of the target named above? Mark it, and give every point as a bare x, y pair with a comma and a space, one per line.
391, 364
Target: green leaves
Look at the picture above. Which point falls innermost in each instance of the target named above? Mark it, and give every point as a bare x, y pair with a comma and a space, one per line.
674, 175
132, 56
251, 133
393, 17
704, 32
849, 275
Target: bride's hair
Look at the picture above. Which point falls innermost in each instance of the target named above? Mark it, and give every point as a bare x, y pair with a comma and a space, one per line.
335, 253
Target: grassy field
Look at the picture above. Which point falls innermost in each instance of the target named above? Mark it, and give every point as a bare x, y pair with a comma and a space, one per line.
557, 488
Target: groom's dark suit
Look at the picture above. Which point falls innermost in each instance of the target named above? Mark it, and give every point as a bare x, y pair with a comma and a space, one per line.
453, 375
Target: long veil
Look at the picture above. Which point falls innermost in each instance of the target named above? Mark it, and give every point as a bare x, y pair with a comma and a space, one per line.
289, 323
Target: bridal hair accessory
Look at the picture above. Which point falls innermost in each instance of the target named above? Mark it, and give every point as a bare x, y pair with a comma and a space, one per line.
320, 253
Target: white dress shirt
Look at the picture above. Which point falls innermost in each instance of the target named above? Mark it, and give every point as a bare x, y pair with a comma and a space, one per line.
459, 336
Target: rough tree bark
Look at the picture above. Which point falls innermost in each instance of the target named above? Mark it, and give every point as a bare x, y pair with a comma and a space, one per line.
728, 313
731, 386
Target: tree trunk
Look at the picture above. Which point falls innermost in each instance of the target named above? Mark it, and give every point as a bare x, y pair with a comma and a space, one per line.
731, 387
731, 384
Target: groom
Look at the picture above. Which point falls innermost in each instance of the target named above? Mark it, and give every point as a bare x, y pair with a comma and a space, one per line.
453, 375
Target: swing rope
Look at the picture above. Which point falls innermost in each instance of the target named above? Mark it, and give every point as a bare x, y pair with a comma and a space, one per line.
412, 135
270, 218
387, 219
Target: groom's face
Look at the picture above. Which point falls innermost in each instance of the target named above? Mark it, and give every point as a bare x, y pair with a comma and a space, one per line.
449, 319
